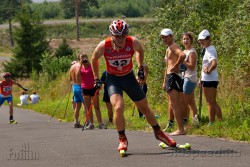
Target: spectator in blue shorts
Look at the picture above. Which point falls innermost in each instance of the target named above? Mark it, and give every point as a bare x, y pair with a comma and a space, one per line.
76, 80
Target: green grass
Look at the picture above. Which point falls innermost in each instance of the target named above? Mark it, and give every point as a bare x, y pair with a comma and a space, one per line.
229, 128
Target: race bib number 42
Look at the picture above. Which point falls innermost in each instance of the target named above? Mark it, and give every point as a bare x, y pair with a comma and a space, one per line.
119, 63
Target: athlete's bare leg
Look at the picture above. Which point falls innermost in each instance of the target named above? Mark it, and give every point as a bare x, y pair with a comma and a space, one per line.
142, 105
118, 104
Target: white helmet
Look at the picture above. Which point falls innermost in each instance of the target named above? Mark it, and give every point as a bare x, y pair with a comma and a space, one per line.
119, 27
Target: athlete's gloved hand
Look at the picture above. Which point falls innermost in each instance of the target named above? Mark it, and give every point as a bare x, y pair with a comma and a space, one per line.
141, 73
98, 83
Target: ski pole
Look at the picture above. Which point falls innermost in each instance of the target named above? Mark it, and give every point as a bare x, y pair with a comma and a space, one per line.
200, 103
89, 109
203, 50
133, 113
58, 105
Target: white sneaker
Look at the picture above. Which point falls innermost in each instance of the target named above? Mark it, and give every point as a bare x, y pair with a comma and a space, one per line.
195, 120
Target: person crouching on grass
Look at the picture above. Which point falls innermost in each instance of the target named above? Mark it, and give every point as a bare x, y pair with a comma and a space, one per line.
6, 93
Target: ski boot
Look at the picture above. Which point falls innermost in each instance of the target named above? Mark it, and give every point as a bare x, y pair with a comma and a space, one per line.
160, 135
123, 145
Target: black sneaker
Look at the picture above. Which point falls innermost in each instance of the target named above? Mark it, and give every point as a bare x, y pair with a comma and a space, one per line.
78, 125
169, 127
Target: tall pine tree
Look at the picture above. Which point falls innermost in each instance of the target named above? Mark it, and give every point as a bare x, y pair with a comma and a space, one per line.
8, 9
31, 43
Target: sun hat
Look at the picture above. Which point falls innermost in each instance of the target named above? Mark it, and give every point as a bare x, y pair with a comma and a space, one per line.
203, 34
166, 32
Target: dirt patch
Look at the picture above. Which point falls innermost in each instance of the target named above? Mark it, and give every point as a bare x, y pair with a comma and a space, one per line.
86, 45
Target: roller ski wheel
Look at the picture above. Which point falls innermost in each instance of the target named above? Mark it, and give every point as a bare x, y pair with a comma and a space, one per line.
122, 148
12, 122
186, 146
122, 153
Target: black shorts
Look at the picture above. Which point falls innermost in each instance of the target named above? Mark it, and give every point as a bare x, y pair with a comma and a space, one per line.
106, 97
145, 88
126, 83
174, 81
209, 84
88, 92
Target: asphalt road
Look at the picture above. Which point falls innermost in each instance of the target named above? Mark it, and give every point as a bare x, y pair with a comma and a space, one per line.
36, 142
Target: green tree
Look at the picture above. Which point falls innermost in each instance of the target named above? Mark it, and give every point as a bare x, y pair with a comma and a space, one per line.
31, 42
69, 7
8, 9
180, 16
64, 49
47, 10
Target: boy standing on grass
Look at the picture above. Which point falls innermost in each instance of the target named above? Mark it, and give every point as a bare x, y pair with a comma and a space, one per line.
6, 93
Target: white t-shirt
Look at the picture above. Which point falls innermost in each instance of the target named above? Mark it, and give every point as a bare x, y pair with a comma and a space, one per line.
34, 98
210, 54
24, 99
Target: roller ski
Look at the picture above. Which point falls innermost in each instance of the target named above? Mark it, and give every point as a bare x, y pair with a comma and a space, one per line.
123, 145
12, 121
186, 146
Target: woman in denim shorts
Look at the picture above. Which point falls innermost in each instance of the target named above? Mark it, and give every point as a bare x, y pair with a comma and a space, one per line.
190, 77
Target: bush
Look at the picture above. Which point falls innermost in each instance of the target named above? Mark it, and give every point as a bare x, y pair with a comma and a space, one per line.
63, 50
54, 66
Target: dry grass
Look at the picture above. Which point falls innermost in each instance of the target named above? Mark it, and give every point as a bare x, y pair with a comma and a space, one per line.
86, 45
